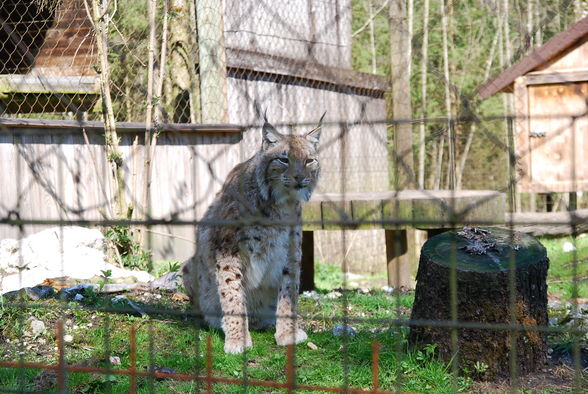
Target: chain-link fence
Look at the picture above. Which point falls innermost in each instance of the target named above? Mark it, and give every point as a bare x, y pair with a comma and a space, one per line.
129, 117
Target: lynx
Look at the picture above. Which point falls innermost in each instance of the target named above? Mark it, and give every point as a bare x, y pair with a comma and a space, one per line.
246, 269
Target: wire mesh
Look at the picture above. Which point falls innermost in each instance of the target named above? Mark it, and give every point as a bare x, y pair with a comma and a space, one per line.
128, 117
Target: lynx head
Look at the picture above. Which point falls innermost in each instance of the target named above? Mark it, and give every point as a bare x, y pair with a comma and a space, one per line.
290, 166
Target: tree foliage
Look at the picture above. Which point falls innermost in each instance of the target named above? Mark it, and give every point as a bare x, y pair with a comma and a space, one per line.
475, 27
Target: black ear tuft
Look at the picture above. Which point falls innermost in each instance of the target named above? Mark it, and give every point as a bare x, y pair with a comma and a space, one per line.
269, 133
314, 135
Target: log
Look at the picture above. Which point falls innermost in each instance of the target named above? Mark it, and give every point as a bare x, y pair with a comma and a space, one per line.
482, 269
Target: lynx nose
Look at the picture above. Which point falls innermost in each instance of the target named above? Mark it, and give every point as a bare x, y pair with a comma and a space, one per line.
300, 181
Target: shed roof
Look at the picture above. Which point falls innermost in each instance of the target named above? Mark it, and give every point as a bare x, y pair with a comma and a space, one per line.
540, 56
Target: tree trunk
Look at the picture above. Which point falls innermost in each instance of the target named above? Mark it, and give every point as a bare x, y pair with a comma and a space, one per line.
100, 21
213, 63
450, 128
483, 274
370, 10
182, 84
422, 125
401, 99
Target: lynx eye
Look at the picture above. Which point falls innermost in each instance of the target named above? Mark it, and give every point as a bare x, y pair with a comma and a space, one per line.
283, 160
310, 162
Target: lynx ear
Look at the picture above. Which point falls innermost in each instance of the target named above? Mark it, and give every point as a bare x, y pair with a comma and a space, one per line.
314, 135
269, 133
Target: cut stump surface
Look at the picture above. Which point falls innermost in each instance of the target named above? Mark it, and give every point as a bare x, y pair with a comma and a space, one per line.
483, 258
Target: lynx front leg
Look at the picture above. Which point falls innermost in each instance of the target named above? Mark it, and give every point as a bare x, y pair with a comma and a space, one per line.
232, 300
287, 331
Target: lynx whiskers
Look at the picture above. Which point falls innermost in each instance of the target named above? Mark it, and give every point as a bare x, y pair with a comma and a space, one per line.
244, 275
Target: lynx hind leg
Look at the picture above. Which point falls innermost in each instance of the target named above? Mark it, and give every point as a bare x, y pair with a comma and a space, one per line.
232, 300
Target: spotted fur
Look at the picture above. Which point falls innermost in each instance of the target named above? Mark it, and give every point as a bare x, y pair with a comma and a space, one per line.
246, 271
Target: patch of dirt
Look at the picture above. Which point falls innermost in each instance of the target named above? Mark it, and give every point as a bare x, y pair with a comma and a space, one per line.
552, 378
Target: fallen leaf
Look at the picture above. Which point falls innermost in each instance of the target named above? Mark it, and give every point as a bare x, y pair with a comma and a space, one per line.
312, 345
180, 297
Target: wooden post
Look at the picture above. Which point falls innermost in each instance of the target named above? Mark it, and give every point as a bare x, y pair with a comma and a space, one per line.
398, 257
213, 63
307, 271
573, 205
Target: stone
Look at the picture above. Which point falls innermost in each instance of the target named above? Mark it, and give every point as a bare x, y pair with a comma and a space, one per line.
333, 295
72, 293
32, 293
170, 281
114, 360
342, 329
568, 247
37, 327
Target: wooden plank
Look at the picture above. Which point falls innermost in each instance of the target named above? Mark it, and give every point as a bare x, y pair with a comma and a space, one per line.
336, 211
17, 83
549, 223
312, 215
241, 62
554, 77
557, 115
121, 126
369, 213
413, 208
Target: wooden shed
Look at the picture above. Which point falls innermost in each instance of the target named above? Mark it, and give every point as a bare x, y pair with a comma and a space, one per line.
550, 88
46, 53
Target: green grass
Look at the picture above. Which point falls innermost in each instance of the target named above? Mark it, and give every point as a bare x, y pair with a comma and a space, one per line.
565, 266
170, 340
174, 343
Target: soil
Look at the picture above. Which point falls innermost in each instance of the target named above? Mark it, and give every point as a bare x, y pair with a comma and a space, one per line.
553, 378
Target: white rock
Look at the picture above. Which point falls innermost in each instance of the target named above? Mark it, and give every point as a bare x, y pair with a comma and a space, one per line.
67, 338
568, 247
37, 327
114, 360
352, 276
333, 295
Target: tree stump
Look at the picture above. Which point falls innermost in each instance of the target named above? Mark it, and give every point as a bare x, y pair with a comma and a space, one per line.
482, 273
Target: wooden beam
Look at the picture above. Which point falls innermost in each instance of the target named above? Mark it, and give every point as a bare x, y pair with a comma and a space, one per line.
242, 62
17, 83
122, 126
398, 257
554, 77
307, 271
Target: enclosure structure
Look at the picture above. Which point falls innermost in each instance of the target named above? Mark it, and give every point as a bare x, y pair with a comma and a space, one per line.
294, 61
550, 87
47, 57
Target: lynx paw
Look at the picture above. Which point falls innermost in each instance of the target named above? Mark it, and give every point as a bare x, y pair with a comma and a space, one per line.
289, 338
237, 346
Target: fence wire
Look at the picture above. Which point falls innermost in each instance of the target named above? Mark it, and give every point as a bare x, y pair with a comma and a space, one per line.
128, 117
